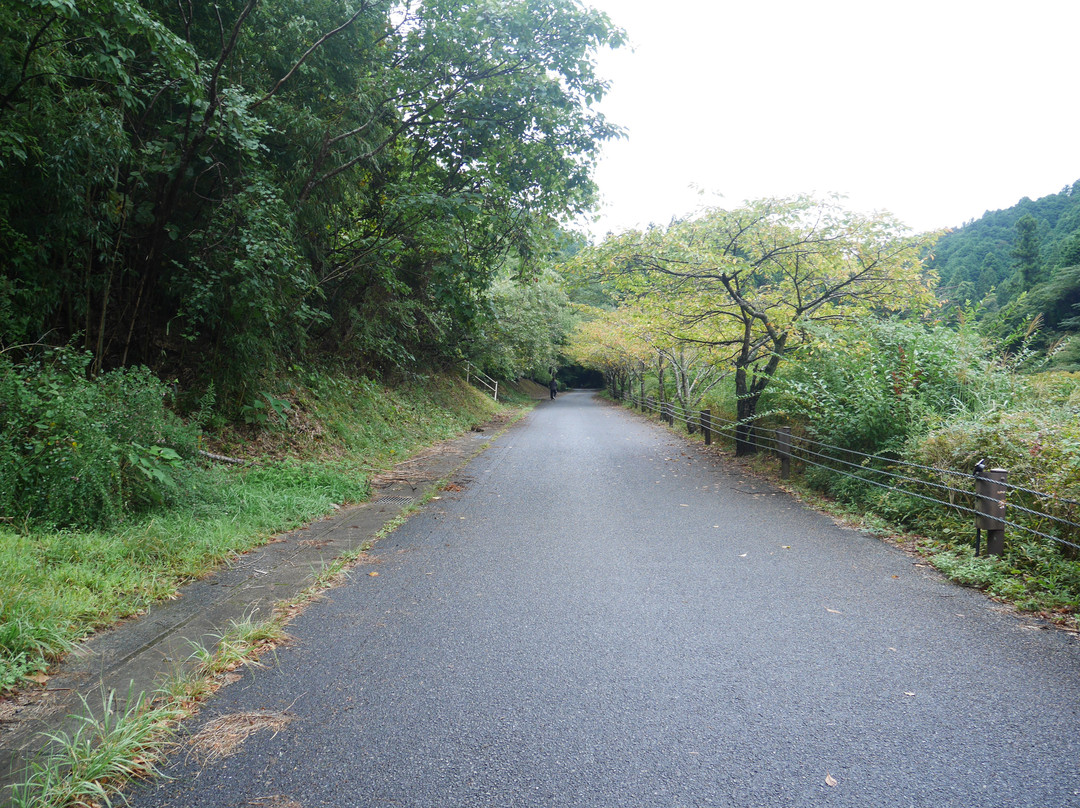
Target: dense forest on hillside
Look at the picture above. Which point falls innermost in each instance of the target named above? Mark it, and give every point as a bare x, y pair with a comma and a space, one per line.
215, 189
1021, 268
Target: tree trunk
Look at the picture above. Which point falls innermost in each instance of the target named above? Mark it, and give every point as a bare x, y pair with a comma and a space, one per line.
746, 408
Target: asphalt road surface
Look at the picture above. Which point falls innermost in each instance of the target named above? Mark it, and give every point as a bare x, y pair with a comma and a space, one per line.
605, 615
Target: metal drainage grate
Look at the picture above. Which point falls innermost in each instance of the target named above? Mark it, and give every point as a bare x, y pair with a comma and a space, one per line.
394, 498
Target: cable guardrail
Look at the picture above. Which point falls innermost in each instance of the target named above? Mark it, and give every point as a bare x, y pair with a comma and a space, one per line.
986, 499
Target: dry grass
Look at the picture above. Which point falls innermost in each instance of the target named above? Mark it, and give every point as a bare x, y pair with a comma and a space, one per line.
274, 801
224, 736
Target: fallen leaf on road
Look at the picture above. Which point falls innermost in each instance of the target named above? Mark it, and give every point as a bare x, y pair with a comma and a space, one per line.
832, 611
373, 574
785, 546
908, 693
830, 781
681, 505
744, 555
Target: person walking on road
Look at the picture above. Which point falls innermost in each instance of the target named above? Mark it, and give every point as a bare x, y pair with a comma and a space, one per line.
554, 386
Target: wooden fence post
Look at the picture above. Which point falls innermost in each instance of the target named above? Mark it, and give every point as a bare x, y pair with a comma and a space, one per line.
783, 448
706, 426
990, 504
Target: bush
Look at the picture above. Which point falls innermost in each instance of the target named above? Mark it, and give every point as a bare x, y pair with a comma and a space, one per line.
876, 385
76, 452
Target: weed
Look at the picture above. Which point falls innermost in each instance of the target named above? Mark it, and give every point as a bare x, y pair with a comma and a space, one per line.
83, 453
88, 766
239, 645
185, 687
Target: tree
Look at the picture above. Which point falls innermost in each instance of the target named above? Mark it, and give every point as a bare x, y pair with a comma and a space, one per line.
1026, 252
609, 341
528, 323
746, 281
209, 186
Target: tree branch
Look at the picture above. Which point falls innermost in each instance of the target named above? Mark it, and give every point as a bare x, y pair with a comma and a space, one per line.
318, 43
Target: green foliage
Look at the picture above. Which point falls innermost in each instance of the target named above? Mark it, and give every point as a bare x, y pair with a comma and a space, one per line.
749, 282
983, 253
932, 397
1037, 439
216, 191
1025, 251
28, 645
876, 384
265, 410
1034, 576
86, 453
90, 765
531, 320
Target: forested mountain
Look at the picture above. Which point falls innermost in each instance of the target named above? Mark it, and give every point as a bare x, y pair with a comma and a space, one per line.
205, 188
1010, 251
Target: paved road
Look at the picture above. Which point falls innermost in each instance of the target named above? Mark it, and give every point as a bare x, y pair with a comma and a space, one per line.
605, 615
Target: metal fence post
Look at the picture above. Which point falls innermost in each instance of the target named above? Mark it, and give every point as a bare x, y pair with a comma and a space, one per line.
649, 403
990, 507
706, 426
783, 448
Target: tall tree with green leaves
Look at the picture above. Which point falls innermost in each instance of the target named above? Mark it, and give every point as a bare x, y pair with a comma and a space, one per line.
1025, 253
208, 186
746, 281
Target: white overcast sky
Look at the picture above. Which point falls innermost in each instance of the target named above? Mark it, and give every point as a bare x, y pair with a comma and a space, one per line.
935, 110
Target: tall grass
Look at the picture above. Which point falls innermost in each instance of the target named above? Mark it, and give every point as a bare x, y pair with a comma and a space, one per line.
87, 766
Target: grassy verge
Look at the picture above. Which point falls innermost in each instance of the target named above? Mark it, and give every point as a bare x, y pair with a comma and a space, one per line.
327, 436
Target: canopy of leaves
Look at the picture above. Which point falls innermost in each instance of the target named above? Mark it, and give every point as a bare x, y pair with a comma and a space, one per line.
206, 188
997, 252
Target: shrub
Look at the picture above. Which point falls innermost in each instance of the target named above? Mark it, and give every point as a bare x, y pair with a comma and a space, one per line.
79, 452
874, 386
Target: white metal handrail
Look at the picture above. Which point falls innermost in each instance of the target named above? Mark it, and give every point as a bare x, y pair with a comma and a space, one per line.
472, 373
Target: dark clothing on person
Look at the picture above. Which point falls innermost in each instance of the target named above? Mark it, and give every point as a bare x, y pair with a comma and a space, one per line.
554, 388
